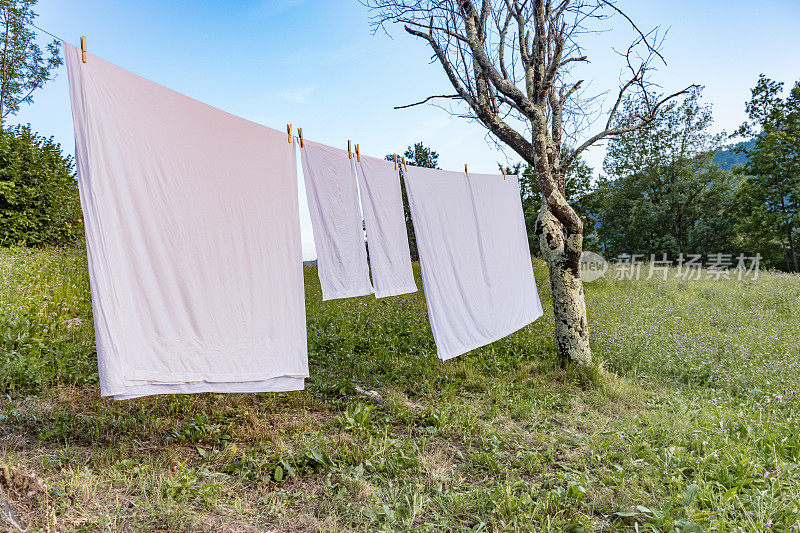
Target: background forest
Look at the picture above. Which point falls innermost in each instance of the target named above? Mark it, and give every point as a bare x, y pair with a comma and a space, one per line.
675, 187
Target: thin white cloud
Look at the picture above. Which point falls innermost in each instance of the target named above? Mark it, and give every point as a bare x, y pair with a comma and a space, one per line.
297, 95
432, 126
346, 53
329, 56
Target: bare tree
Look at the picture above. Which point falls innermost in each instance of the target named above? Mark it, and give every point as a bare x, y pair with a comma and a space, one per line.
510, 62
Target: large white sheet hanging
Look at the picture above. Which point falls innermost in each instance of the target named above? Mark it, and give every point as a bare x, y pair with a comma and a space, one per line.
336, 220
387, 238
476, 265
505, 251
193, 239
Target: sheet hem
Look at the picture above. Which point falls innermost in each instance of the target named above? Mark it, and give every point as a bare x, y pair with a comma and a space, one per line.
346, 294
396, 292
491, 339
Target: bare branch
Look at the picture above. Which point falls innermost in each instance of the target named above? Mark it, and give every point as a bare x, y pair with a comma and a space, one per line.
445, 64
566, 95
644, 120
502, 47
427, 99
643, 37
620, 96
571, 59
432, 28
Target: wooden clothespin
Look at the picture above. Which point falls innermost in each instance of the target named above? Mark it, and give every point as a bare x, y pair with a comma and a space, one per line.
349, 150
395, 161
358, 154
465, 170
83, 48
289, 133
300, 133
504, 174
405, 167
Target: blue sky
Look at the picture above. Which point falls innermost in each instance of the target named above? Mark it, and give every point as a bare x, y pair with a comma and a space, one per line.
316, 63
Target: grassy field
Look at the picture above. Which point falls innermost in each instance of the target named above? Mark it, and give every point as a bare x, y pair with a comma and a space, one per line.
690, 424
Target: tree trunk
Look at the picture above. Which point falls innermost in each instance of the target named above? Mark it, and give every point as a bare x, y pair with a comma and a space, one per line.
792, 252
3, 80
569, 305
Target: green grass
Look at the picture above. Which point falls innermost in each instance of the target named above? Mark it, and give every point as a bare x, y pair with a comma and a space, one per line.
691, 424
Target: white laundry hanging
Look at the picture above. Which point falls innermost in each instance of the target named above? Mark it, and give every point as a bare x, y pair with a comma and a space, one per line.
505, 251
336, 220
193, 239
476, 264
387, 238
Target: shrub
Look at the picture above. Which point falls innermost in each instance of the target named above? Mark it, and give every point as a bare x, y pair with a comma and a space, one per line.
39, 202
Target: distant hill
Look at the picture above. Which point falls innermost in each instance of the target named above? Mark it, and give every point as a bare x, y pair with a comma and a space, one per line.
727, 157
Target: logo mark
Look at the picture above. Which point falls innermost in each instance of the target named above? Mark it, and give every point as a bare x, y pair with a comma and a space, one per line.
593, 266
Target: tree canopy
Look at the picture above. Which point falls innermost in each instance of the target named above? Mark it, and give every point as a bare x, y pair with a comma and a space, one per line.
24, 67
772, 170
39, 202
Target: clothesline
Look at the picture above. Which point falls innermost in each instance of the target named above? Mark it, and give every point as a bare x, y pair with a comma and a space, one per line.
350, 145
289, 132
48, 33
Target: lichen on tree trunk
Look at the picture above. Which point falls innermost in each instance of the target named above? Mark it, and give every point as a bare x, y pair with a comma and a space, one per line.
569, 305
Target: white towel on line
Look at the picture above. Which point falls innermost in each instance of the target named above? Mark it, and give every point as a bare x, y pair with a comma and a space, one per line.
193, 239
505, 250
336, 220
476, 264
387, 238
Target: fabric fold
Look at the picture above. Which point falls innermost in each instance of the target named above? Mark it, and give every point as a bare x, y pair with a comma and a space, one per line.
387, 239
336, 220
192, 236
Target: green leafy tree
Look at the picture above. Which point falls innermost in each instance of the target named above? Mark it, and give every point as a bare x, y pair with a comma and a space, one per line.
39, 202
754, 226
663, 193
24, 67
772, 192
418, 155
